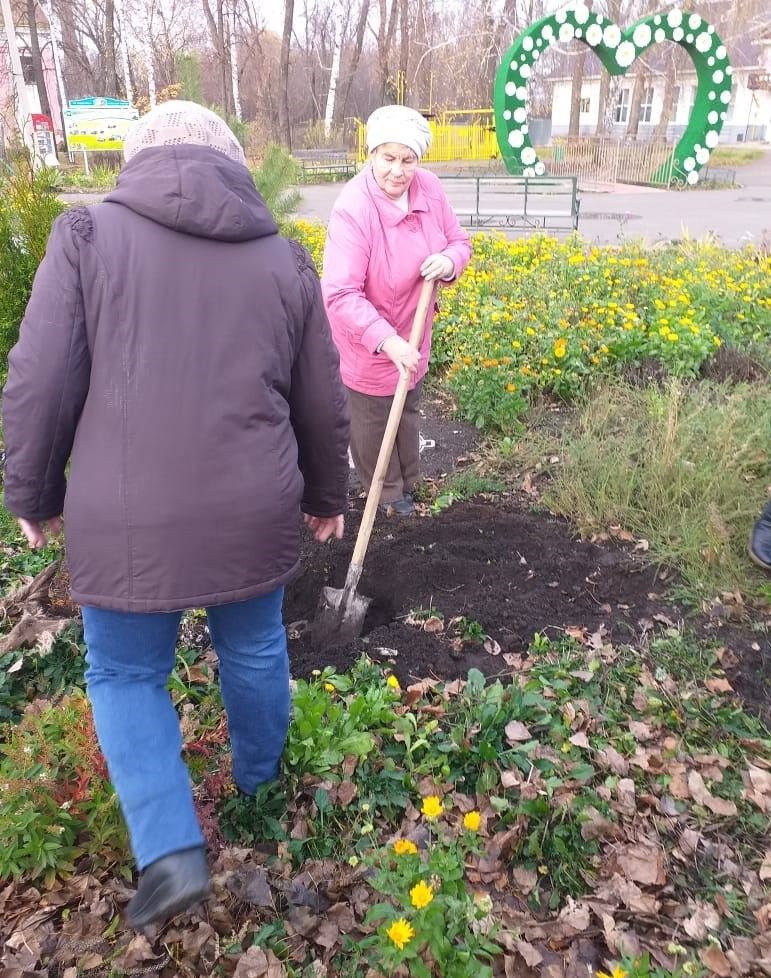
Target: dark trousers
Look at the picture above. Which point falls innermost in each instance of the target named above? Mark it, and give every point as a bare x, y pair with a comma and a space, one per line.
369, 415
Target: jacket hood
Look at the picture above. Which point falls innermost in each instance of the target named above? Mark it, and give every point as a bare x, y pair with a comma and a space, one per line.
195, 190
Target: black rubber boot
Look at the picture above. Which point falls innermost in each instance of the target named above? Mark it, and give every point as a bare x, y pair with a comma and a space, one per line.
168, 886
760, 540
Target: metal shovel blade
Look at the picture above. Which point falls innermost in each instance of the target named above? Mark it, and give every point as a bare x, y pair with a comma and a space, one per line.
339, 619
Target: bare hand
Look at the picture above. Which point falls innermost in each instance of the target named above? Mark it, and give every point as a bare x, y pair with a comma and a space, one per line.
37, 533
437, 267
323, 527
403, 356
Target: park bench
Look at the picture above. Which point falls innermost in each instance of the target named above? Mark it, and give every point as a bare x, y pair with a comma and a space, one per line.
529, 203
324, 162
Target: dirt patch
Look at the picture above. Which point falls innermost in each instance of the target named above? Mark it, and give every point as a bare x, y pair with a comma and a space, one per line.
510, 568
513, 571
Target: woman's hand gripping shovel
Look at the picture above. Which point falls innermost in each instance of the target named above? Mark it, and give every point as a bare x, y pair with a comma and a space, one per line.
341, 611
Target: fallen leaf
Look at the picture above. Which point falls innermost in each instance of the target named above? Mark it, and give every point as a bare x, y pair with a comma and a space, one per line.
526, 880
714, 959
532, 957
765, 867
517, 732
641, 862
701, 795
704, 918
491, 646
719, 686
580, 740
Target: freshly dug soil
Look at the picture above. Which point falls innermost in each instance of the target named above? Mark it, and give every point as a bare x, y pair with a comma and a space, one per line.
510, 568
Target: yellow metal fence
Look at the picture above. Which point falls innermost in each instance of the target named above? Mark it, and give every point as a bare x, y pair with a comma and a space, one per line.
449, 142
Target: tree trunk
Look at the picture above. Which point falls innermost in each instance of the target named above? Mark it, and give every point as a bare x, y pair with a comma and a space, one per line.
284, 123
603, 117
404, 50
110, 72
37, 61
385, 38
640, 83
574, 127
668, 101
217, 29
361, 28
329, 113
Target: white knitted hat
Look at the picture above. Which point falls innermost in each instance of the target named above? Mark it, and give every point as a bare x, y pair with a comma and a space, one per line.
398, 124
175, 123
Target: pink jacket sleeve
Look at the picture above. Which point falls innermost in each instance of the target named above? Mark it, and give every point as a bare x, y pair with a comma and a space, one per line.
458, 244
346, 259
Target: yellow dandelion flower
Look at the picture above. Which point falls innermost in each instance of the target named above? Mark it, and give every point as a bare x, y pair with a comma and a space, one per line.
511, 388
618, 972
393, 682
329, 687
401, 932
472, 821
432, 807
421, 895
403, 847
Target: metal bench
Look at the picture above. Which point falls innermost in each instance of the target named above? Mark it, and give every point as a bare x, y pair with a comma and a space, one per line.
324, 162
529, 203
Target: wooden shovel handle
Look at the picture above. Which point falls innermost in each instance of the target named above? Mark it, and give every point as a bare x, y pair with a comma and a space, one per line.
392, 426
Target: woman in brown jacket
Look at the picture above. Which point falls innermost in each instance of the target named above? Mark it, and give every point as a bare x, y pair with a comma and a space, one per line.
176, 354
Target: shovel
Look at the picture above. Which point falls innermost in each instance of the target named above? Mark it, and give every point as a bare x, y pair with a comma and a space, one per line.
341, 611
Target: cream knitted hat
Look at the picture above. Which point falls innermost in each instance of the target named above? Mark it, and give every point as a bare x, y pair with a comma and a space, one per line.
398, 124
175, 123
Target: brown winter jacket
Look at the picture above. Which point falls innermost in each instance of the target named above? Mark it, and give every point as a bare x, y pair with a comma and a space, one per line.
176, 350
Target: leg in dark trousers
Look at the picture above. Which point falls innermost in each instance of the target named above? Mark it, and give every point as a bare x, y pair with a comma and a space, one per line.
369, 415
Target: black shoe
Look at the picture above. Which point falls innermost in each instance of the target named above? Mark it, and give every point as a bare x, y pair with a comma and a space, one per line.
401, 507
760, 540
168, 886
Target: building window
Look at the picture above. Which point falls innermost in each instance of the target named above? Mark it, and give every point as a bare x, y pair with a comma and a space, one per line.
586, 106
646, 105
677, 94
621, 110
27, 71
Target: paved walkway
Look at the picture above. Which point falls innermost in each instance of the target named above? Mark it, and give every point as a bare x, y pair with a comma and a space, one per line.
621, 212
737, 217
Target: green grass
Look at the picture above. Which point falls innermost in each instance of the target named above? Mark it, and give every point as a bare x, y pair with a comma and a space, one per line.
683, 467
736, 155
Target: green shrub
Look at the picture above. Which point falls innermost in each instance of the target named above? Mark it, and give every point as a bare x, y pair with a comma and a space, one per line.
28, 208
274, 179
56, 803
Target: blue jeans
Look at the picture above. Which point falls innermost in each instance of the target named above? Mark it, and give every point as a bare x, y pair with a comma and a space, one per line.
130, 657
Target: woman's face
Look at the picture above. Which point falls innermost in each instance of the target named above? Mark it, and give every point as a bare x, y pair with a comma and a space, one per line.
393, 166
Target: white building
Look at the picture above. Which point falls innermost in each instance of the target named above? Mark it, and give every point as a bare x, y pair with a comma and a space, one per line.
749, 113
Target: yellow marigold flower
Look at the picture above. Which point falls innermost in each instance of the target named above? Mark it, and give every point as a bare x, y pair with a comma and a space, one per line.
472, 821
401, 932
404, 846
393, 682
421, 895
432, 806
329, 687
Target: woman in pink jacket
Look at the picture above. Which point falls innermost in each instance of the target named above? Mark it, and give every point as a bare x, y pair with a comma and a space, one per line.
390, 227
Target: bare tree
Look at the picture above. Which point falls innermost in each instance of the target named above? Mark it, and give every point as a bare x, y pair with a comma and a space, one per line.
284, 122
386, 30
218, 24
361, 27
37, 61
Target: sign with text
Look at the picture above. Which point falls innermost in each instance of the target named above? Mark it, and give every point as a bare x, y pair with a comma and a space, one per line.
98, 123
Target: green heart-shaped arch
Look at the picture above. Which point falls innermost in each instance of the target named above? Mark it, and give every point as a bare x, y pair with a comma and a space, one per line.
617, 50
